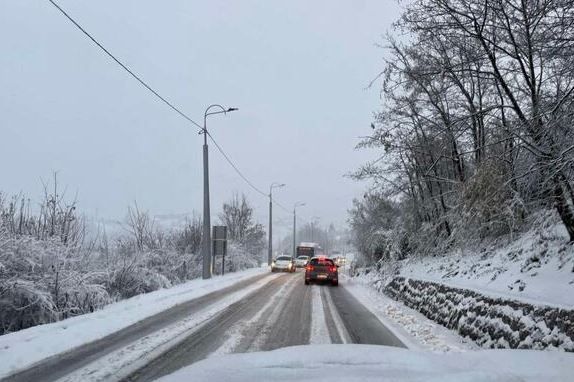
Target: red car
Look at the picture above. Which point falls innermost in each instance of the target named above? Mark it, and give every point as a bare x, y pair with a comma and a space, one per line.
322, 269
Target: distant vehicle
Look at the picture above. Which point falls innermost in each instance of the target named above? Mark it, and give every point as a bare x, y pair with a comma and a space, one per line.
339, 260
321, 269
308, 249
283, 264
301, 261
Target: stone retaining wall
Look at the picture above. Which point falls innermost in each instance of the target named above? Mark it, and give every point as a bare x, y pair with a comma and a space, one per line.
490, 322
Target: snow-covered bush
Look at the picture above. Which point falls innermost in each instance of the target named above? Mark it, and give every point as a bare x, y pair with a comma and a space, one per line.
246, 238
132, 279
490, 207
237, 259
377, 228
50, 268
24, 303
80, 292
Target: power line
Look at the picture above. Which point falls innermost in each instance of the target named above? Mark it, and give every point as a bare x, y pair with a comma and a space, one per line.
230, 161
234, 166
181, 113
164, 100
281, 206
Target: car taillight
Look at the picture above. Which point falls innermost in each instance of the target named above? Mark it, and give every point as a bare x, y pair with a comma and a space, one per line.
309, 268
332, 269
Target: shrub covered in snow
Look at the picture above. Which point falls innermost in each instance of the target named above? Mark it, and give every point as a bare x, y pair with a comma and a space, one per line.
23, 304
51, 268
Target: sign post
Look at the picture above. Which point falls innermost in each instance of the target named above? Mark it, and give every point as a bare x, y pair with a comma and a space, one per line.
220, 244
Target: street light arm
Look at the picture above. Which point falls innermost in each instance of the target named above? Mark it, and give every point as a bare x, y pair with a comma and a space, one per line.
207, 113
275, 185
222, 109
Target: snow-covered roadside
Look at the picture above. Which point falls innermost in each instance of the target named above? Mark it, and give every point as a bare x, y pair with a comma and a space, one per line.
537, 268
411, 327
363, 363
118, 365
24, 348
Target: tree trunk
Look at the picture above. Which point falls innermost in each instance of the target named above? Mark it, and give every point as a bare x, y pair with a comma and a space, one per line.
563, 207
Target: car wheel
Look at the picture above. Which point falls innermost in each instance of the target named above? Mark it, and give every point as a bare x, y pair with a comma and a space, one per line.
306, 282
273, 270
335, 283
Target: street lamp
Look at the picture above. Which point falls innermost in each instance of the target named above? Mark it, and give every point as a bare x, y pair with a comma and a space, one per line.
270, 249
206, 237
298, 204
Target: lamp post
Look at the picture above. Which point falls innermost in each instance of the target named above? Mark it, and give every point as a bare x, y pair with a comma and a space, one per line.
270, 249
298, 204
206, 236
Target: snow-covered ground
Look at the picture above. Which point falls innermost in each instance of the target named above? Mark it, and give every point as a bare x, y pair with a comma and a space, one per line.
24, 348
379, 363
118, 365
411, 327
536, 267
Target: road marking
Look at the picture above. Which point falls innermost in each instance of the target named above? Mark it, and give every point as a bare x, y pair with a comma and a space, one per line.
319, 331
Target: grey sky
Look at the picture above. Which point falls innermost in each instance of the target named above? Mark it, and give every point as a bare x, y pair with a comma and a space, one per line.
296, 69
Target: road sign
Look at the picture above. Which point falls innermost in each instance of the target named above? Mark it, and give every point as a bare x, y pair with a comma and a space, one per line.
219, 232
220, 244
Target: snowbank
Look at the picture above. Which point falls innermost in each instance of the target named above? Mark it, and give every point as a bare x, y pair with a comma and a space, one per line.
490, 322
24, 348
536, 267
379, 363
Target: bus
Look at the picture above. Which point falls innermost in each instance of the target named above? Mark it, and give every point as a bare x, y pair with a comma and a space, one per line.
309, 249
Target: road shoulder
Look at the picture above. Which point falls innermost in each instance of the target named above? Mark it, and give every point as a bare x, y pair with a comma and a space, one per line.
411, 327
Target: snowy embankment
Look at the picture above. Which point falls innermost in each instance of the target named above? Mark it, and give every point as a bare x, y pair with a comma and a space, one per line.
536, 267
517, 294
24, 348
490, 322
379, 363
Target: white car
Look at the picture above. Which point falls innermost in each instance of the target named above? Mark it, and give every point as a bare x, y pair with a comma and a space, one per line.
301, 261
283, 264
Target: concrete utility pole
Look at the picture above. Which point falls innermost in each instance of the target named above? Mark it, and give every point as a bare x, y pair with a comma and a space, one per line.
206, 236
298, 204
270, 249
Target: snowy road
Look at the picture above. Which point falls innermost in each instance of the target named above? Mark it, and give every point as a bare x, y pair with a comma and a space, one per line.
264, 312
283, 313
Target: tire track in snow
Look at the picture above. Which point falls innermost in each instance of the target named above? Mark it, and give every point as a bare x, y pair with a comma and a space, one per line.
337, 329
121, 363
239, 333
285, 324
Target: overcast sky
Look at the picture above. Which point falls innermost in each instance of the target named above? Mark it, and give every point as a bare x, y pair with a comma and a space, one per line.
298, 71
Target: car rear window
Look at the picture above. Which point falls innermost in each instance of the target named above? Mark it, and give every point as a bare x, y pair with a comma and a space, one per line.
303, 257
283, 258
322, 262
